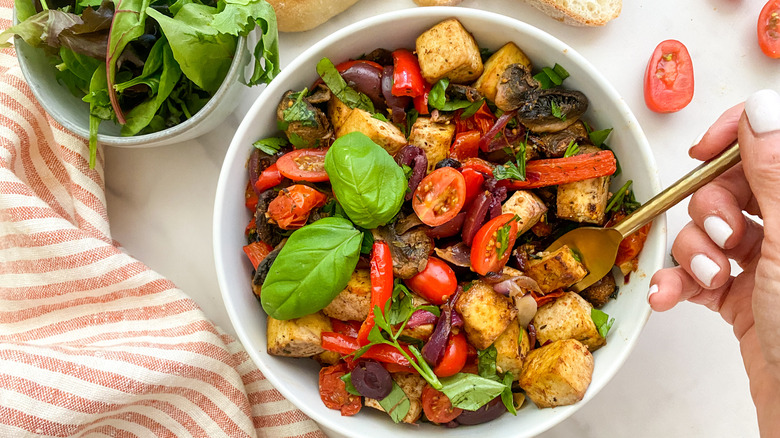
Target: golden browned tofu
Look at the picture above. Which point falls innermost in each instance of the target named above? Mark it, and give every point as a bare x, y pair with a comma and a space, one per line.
568, 317
327, 357
526, 206
337, 112
433, 138
495, 65
380, 132
584, 201
557, 374
512, 347
422, 332
486, 313
300, 337
447, 50
412, 385
354, 302
558, 269
599, 293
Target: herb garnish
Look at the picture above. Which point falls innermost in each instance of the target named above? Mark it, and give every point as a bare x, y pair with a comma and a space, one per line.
602, 320
551, 77
338, 86
556, 111
437, 98
271, 145
300, 110
512, 170
623, 200
572, 149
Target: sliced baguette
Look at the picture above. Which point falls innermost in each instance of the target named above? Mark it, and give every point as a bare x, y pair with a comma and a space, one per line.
437, 2
302, 15
580, 12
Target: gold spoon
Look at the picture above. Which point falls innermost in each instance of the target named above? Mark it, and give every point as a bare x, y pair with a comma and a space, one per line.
598, 246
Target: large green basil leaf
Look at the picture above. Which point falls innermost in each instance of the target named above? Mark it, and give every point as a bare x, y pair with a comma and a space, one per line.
469, 391
312, 268
366, 180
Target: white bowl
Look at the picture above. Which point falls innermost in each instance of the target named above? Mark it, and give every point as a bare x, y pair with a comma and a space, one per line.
296, 379
73, 113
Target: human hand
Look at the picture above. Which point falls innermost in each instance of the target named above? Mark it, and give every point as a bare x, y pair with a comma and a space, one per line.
719, 231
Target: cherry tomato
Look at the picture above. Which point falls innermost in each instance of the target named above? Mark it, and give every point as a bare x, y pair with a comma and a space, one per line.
291, 207
435, 283
437, 406
493, 244
439, 196
481, 121
333, 391
669, 78
454, 356
466, 145
769, 29
474, 181
303, 165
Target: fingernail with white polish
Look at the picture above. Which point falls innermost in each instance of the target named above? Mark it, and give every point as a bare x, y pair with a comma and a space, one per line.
718, 230
653, 290
699, 138
763, 111
704, 269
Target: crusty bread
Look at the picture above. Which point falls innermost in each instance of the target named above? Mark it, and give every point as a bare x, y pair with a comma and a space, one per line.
300, 15
437, 2
580, 12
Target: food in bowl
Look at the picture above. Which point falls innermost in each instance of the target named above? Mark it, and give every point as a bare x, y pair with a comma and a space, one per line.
147, 65
394, 157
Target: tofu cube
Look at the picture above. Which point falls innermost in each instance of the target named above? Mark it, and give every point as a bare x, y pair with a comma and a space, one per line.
433, 138
512, 347
412, 385
527, 206
300, 337
486, 313
555, 270
447, 50
495, 65
557, 374
338, 111
584, 201
380, 132
354, 302
568, 317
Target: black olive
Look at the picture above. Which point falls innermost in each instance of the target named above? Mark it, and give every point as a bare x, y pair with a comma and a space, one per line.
448, 162
372, 380
489, 412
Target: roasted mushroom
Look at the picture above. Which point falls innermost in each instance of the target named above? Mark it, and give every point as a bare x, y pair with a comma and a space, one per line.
410, 250
306, 125
554, 144
552, 110
263, 268
463, 92
515, 83
267, 232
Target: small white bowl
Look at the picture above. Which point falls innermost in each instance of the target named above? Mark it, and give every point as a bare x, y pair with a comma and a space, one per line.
296, 379
73, 113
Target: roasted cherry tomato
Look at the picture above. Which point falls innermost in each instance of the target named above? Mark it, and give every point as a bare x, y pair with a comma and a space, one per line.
466, 145
439, 196
437, 406
257, 251
478, 164
303, 165
333, 390
454, 356
474, 181
669, 78
493, 244
435, 283
482, 121
769, 29
291, 207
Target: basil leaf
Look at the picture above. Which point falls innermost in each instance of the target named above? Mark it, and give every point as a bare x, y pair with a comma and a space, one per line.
300, 110
396, 404
347, 379
506, 396
486, 364
338, 86
368, 183
599, 137
367, 243
311, 269
602, 320
469, 391
271, 145
437, 98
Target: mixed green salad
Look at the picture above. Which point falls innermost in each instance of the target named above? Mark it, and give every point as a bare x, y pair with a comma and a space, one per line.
145, 64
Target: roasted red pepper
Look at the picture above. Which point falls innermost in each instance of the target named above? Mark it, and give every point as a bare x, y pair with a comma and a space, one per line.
466, 145
421, 102
257, 251
407, 77
344, 344
381, 285
555, 171
268, 178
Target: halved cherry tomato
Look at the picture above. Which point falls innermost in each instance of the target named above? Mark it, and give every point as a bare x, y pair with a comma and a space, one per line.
474, 181
437, 406
466, 145
270, 177
256, 251
291, 207
493, 244
478, 164
454, 356
303, 165
333, 390
435, 283
769, 29
669, 78
439, 196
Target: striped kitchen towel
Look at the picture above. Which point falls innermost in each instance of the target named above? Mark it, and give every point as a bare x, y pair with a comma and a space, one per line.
93, 342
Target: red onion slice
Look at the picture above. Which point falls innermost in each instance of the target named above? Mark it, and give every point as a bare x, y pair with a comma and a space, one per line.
487, 140
420, 317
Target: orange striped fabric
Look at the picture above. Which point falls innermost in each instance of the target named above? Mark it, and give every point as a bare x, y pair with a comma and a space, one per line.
93, 342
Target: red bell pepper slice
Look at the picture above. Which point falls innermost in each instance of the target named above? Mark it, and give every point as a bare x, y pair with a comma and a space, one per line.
381, 275
466, 145
474, 181
407, 76
555, 171
257, 251
346, 345
251, 198
270, 177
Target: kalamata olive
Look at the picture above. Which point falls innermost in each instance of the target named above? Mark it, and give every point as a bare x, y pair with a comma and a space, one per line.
415, 158
475, 217
371, 379
397, 104
489, 412
498, 196
368, 80
380, 56
448, 162
449, 228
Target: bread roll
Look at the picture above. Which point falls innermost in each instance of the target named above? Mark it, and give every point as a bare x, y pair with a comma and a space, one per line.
580, 12
301, 15
437, 2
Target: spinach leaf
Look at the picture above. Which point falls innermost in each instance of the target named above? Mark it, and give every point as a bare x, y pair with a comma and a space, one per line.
338, 86
312, 268
396, 404
203, 53
469, 391
366, 180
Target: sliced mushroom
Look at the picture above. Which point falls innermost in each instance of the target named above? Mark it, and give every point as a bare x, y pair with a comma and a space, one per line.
264, 267
266, 231
410, 250
320, 94
515, 83
552, 110
308, 127
463, 92
554, 144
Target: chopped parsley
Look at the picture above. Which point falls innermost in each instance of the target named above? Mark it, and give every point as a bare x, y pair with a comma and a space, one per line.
512, 170
623, 200
572, 149
556, 111
602, 320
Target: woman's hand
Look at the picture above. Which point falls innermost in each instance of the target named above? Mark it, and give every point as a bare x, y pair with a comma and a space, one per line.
719, 232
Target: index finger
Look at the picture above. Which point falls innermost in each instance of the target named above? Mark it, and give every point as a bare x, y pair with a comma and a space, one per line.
719, 136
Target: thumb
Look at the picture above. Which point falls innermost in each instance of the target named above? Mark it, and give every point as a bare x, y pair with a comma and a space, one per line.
759, 142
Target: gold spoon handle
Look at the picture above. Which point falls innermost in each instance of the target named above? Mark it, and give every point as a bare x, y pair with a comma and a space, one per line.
680, 190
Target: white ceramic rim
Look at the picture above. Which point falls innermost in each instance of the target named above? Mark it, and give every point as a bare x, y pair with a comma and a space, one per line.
642, 149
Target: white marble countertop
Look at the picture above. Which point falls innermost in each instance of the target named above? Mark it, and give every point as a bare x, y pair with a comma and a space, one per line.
685, 377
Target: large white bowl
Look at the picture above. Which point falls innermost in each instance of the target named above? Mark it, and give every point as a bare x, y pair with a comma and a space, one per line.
296, 379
